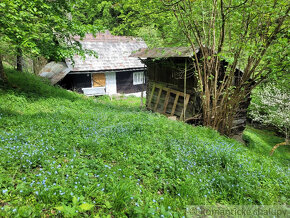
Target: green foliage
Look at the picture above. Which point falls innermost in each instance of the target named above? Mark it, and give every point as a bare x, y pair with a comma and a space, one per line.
41, 27
150, 20
262, 141
63, 154
75, 208
247, 33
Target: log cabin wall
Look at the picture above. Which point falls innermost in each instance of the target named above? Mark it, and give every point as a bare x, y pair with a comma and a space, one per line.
165, 72
125, 84
239, 123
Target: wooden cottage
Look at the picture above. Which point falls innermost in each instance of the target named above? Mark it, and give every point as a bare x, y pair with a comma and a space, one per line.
114, 71
165, 85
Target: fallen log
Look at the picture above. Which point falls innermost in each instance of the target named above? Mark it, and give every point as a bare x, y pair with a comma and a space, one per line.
278, 145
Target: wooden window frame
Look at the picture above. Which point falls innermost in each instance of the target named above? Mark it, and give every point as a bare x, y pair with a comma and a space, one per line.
140, 78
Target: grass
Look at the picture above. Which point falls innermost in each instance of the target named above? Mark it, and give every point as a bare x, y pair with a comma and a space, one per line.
63, 154
262, 141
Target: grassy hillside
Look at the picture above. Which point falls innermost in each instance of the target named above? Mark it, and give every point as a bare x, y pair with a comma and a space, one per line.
262, 141
65, 153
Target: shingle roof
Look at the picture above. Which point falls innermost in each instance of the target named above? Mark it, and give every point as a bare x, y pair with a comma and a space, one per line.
164, 52
113, 53
54, 71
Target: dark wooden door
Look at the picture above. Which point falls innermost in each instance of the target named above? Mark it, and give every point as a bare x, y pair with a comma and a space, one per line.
124, 82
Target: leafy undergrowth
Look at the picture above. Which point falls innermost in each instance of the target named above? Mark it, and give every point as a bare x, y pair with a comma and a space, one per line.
65, 154
262, 141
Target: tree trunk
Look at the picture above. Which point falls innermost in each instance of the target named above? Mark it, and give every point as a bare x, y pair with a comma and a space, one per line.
38, 64
2, 72
19, 60
34, 65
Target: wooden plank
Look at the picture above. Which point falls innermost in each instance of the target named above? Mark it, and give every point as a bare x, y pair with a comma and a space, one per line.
166, 101
151, 96
158, 98
158, 85
166, 89
174, 91
181, 94
174, 104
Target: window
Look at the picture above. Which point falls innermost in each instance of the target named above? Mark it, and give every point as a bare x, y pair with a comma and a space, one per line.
138, 78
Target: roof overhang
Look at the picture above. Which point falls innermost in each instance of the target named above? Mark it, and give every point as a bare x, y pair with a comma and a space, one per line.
107, 71
54, 71
171, 52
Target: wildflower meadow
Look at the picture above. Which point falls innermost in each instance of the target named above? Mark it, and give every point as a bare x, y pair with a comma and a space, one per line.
63, 154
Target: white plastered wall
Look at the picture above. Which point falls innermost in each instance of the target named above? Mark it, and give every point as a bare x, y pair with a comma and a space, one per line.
111, 83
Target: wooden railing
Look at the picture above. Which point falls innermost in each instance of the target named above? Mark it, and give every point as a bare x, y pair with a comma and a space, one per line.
168, 92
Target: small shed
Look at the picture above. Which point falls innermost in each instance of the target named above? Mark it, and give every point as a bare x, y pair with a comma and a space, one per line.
112, 72
165, 85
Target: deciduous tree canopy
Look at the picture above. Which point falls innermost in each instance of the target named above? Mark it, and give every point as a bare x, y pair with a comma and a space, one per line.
40, 27
245, 33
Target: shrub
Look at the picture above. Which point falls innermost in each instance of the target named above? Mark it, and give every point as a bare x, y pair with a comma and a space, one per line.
270, 106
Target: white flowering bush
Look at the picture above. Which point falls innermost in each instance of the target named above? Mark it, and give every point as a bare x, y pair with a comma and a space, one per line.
271, 106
